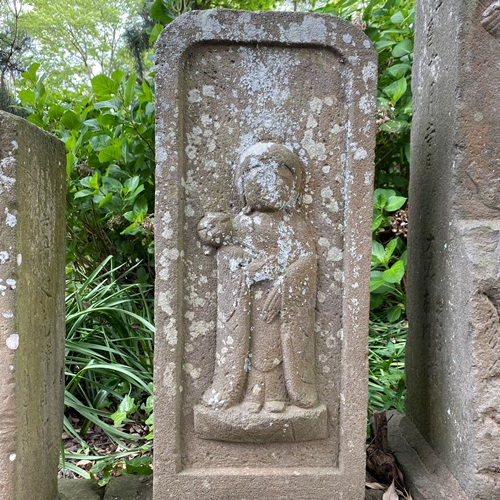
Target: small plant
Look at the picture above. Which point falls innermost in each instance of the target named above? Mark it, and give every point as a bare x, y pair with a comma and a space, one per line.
386, 384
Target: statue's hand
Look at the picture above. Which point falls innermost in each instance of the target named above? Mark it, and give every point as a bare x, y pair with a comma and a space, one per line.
491, 19
272, 305
215, 229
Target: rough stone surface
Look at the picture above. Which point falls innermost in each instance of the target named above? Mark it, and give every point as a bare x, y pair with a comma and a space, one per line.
453, 355
425, 475
265, 138
126, 487
32, 257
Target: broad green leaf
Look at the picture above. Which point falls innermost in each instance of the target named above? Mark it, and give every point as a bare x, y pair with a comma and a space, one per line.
118, 75
398, 70
94, 181
155, 33
36, 120
159, 12
92, 125
395, 203
395, 273
83, 193
132, 183
127, 405
114, 103
55, 111
27, 96
376, 280
397, 18
70, 120
111, 153
378, 252
383, 44
139, 465
31, 73
106, 200
403, 48
111, 185
377, 220
129, 90
389, 250
394, 126
104, 86
396, 89
394, 313
99, 142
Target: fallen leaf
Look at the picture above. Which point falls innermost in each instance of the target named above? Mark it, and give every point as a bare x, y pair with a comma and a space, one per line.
375, 486
390, 494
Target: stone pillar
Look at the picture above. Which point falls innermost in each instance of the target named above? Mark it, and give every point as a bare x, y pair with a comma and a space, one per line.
265, 138
453, 354
32, 257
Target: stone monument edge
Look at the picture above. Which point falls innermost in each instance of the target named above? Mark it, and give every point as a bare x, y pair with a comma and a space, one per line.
356, 164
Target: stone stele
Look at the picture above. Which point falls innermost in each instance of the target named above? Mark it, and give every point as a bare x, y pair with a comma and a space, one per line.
453, 350
32, 258
265, 138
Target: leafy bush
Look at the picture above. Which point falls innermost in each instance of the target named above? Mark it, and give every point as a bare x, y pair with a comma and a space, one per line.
109, 138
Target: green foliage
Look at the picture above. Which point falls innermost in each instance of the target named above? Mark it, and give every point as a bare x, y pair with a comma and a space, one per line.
78, 39
109, 138
109, 361
386, 383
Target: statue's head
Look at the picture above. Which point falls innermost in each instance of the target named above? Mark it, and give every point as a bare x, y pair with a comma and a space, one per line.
269, 177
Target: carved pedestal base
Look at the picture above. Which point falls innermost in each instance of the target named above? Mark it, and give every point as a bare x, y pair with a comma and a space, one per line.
236, 425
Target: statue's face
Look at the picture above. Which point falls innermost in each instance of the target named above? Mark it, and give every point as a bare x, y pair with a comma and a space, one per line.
268, 187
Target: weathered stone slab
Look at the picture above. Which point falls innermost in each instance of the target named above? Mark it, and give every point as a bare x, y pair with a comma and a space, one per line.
453, 359
265, 139
32, 258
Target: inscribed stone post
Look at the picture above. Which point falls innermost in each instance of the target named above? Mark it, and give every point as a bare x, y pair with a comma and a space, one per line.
453, 355
32, 257
265, 137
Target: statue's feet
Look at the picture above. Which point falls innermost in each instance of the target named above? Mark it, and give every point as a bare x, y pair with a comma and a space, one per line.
251, 406
275, 406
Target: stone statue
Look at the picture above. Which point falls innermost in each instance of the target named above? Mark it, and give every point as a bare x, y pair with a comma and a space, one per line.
491, 19
267, 279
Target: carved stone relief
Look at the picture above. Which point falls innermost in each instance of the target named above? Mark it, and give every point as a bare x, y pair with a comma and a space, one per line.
263, 387
491, 19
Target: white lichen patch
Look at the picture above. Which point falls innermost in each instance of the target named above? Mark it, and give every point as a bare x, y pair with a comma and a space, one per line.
19, 259
313, 148
12, 341
164, 301
366, 104
193, 372
194, 96
200, 328
11, 283
10, 219
208, 90
334, 254
12, 457
316, 105
8, 315
4, 257
369, 72
170, 333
